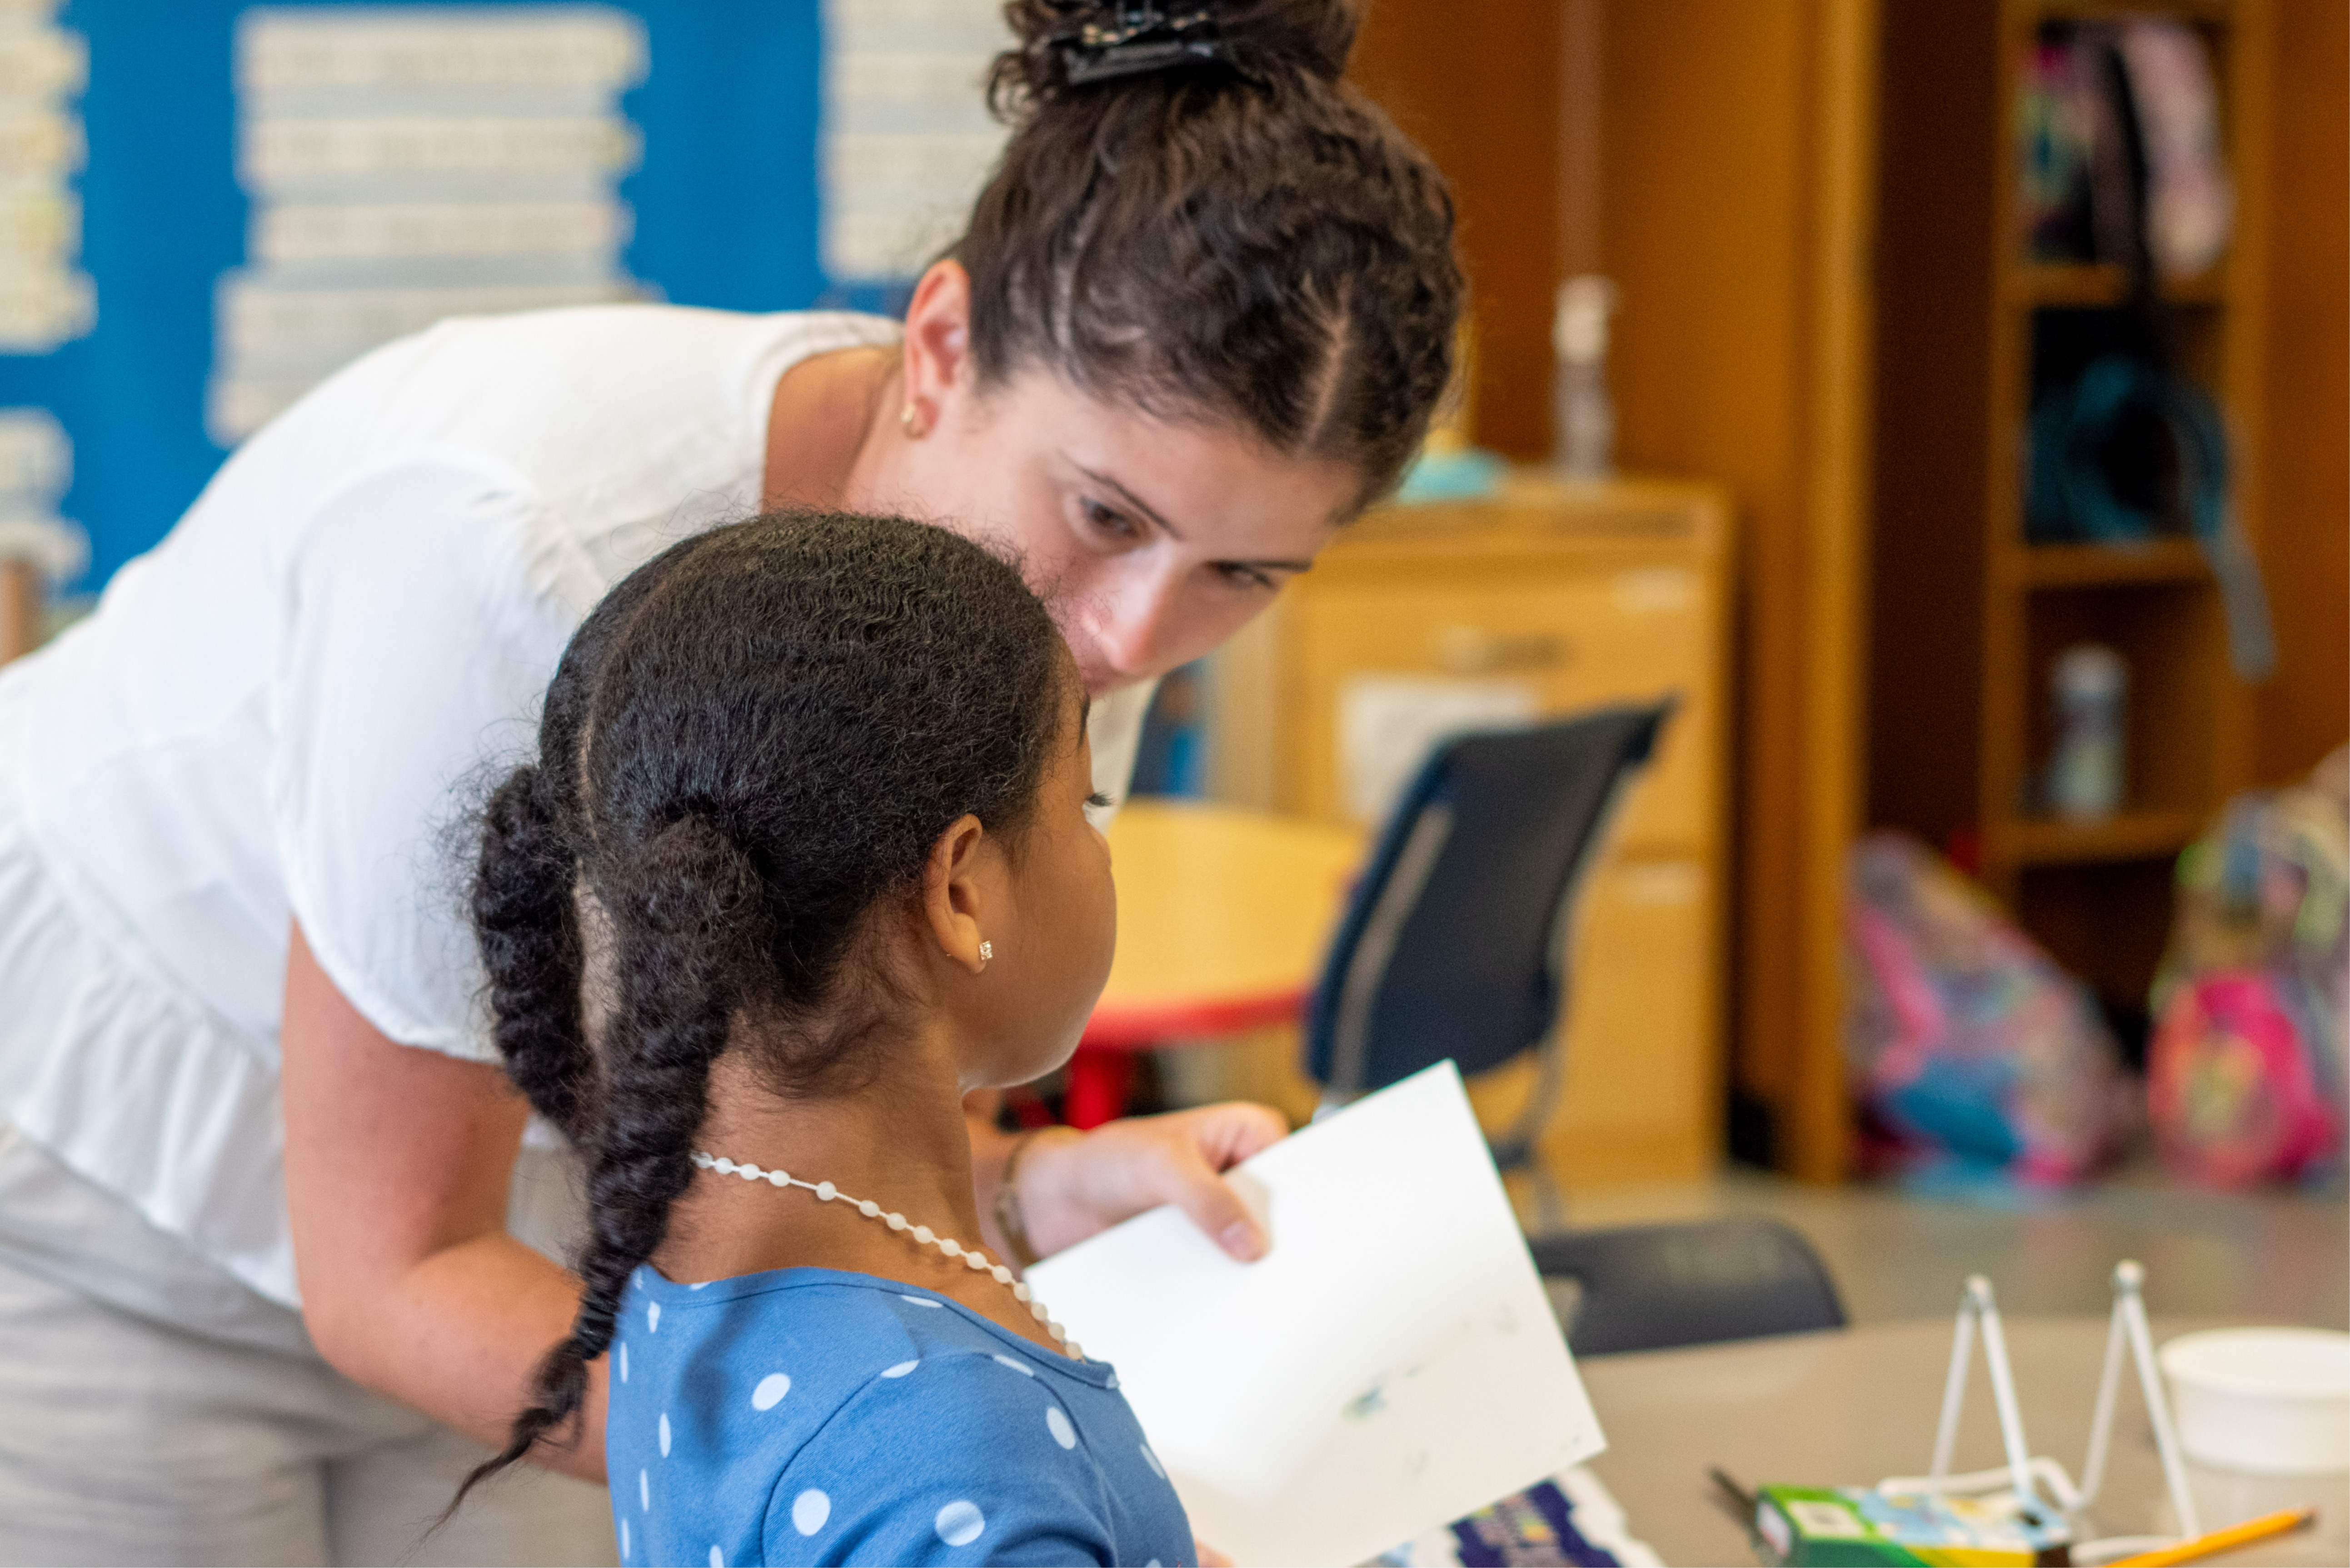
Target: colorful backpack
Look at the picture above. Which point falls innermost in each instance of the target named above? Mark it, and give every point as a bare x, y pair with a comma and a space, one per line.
2245, 1076
1970, 1051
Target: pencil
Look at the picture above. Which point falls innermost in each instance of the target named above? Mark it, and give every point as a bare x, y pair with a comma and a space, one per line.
2251, 1530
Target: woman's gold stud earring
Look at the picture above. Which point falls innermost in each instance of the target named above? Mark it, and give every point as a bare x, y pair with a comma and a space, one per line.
910, 418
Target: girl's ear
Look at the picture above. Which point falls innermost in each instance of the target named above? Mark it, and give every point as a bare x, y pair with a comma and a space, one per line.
955, 902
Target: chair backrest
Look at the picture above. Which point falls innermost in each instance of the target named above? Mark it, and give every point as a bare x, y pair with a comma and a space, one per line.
1651, 1287
1454, 944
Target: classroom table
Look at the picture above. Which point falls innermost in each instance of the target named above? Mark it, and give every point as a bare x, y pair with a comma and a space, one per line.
1223, 916
1849, 1407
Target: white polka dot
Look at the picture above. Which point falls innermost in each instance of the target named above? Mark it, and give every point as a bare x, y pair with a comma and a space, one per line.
1058, 1425
809, 1510
645, 1491
624, 1361
624, 1538
900, 1369
652, 1318
960, 1523
770, 1393
1021, 1367
922, 1301
1152, 1460
717, 1558
664, 1434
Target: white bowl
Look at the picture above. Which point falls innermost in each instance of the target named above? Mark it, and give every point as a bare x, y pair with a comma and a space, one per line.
2272, 1400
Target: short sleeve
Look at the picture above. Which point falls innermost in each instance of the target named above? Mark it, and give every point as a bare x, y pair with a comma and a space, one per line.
962, 1459
412, 658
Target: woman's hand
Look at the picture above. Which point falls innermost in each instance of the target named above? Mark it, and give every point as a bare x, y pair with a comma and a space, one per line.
1074, 1187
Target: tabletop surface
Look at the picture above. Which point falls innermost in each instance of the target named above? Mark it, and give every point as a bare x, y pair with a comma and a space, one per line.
1220, 906
1849, 1407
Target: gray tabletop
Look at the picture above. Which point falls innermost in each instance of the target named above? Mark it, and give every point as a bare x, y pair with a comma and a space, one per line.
1851, 1406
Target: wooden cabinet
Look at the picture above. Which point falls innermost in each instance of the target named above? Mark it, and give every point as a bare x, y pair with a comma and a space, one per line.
1559, 596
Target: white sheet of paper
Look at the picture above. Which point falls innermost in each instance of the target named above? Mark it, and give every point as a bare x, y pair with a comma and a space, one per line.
1391, 1366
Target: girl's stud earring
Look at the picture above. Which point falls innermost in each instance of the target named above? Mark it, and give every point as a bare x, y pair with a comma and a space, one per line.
986, 951
911, 418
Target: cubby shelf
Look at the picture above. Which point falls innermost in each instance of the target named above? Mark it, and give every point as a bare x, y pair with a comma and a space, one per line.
2100, 565
2213, 11
2126, 836
1973, 619
2043, 284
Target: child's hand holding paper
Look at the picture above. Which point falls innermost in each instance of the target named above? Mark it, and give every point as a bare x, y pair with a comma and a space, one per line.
1391, 1365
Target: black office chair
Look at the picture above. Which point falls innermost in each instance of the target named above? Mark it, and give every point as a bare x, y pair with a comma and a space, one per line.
1652, 1287
1455, 943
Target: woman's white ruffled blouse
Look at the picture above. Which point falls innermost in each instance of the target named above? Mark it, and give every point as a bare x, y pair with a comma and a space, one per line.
285, 709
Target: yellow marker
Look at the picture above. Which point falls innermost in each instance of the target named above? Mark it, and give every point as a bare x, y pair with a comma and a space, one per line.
2251, 1530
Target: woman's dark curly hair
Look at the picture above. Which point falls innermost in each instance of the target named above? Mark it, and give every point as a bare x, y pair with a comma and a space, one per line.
1241, 235
750, 746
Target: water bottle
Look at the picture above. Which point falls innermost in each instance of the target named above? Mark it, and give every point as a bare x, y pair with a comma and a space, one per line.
1583, 415
2090, 688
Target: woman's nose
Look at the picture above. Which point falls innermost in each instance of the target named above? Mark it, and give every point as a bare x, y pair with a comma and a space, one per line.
1138, 616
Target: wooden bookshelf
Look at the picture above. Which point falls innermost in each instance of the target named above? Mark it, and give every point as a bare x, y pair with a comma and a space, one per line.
2129, 836
1968, 614
2045, 285
2094, 565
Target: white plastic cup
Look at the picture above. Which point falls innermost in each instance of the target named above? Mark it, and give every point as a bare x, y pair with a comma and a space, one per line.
2274, 1401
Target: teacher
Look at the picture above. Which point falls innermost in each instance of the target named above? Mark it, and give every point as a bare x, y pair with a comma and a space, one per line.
268, 1202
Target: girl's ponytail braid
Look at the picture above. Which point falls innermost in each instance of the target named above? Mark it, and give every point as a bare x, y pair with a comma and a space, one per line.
528, 924
686, 912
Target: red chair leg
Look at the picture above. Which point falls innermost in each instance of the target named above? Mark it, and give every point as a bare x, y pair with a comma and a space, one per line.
1098, 1081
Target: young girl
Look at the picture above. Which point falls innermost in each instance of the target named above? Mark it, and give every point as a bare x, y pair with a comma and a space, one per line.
812, 789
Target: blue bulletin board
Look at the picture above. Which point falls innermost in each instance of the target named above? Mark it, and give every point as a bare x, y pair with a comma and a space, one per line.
726, 200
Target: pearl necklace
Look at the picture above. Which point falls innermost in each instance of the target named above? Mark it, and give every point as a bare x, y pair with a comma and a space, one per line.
971, 1256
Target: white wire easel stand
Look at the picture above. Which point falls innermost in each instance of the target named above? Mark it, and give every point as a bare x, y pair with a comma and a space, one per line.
2023, 1469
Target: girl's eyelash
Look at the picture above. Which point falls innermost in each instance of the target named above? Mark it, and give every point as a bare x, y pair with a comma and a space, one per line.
1100, 802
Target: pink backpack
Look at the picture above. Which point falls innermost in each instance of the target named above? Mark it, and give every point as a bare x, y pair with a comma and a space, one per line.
2230, 1086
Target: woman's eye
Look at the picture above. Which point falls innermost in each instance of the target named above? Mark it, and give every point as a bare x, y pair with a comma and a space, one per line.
1247, 577
1108, 520
1098, 801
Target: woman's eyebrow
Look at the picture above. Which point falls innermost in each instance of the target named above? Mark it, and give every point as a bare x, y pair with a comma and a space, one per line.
1144, 507
1131, 498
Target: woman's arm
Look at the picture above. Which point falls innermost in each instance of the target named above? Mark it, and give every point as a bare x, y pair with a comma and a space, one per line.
397, 1165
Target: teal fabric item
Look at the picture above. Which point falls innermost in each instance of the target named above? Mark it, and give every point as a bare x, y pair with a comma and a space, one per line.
1471, 473
2072, 497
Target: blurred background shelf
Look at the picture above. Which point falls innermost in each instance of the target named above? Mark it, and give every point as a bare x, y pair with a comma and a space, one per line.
1970, 615
2040, 284
2129, 836
2090, 566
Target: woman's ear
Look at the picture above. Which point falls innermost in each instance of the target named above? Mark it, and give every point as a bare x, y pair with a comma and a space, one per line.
957, 895
938, 339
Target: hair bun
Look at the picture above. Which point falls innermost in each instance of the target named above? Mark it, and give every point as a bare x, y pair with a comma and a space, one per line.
1066, 44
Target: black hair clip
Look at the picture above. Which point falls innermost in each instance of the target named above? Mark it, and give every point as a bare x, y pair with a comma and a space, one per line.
1142, 39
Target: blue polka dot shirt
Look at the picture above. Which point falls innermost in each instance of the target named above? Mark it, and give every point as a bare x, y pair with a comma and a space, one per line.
810, 1416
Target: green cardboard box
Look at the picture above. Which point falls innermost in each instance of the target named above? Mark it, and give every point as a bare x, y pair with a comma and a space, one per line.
1858, 1527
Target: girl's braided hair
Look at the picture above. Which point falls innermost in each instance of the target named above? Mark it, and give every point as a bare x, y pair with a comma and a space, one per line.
750, 746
